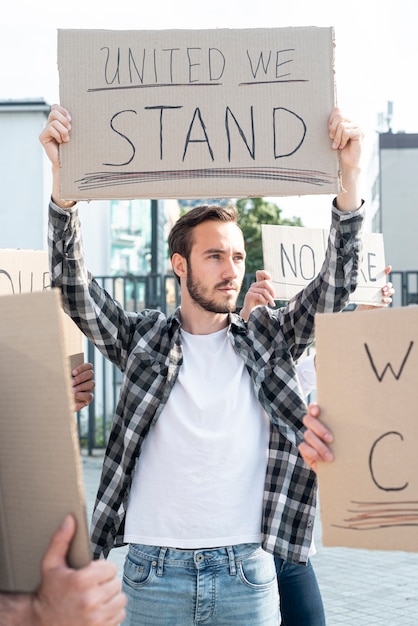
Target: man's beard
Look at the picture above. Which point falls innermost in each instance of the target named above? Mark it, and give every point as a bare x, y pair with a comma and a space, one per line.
197, 293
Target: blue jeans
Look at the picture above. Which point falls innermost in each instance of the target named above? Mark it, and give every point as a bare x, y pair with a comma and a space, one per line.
300, 598
220, 586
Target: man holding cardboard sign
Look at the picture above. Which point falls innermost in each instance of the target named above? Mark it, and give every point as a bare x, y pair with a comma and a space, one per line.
202, 475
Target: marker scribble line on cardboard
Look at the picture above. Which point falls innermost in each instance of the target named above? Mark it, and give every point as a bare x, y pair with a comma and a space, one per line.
194, 85
381, 515
96, 180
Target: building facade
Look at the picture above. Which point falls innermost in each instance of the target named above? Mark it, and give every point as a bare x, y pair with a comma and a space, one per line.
394, 208
23, 214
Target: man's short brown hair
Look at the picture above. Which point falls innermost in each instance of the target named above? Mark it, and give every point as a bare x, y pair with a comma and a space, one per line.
180, 239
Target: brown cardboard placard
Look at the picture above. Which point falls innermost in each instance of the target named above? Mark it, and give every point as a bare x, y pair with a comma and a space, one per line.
40, 469
367, 364
197, 113
25, 271
294, 255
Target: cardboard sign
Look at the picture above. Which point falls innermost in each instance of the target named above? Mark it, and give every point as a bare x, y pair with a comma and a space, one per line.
367, 364
40, 470
294, 255
24, 271
197, 113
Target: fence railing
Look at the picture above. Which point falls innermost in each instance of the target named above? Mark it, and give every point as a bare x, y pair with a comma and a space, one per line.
161, 292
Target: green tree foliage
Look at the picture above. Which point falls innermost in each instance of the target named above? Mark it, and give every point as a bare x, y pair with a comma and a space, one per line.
252, 213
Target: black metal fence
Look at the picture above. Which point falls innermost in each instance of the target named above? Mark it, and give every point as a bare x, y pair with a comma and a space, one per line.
161, 292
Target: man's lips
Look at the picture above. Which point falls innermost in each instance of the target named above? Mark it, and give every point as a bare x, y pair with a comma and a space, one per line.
228, 288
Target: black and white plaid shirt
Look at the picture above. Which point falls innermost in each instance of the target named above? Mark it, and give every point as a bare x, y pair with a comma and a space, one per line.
147, 347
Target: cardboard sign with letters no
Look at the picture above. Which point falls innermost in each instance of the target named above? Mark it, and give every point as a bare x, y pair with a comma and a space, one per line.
197, 113
294, 255
367, 364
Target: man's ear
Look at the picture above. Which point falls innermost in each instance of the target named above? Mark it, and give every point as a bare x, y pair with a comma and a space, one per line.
179, 264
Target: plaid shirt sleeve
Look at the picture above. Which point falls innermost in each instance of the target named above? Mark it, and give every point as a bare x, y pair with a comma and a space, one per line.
280, 337
330, 290
99, 317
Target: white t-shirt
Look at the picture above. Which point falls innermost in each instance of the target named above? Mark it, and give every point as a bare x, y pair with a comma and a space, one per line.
306, 374
199, 480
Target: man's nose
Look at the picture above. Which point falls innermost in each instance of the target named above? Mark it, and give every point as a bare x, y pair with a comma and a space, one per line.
230, 269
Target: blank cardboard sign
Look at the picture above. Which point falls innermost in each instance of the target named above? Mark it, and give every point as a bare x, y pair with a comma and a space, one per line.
40, 469
367, 367
197, 113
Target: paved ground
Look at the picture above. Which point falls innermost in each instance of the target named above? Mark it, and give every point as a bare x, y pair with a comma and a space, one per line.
359, 587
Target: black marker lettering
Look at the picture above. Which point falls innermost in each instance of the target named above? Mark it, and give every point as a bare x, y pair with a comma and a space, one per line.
228, 114
124, 136
161, 109
283, 118
116, 75
372, 472
198, 115
388, 365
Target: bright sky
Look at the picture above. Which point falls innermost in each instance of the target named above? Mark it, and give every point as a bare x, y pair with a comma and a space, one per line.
376, 48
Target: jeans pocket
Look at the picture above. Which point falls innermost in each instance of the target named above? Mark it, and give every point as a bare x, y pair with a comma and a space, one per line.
138, 571
258, 571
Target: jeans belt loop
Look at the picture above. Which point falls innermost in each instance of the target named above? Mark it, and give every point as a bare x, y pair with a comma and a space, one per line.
160, 565
232, 564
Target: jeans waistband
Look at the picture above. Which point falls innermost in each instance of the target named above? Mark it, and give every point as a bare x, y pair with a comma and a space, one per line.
164, 556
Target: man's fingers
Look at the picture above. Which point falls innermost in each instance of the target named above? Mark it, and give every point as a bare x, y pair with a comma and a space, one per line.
84, 378
314, 448
55, 556
322, 450
314, 425
98, 572
263, 292
262, 275
58, 126
342, 130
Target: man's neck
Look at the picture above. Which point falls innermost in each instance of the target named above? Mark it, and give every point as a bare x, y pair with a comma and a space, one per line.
197, 321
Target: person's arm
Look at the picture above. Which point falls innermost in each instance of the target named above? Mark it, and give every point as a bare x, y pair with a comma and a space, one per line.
83, 385
90, 596
55, 133
347, 138
100, 317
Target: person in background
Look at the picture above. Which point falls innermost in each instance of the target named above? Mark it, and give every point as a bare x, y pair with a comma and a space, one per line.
300, 596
